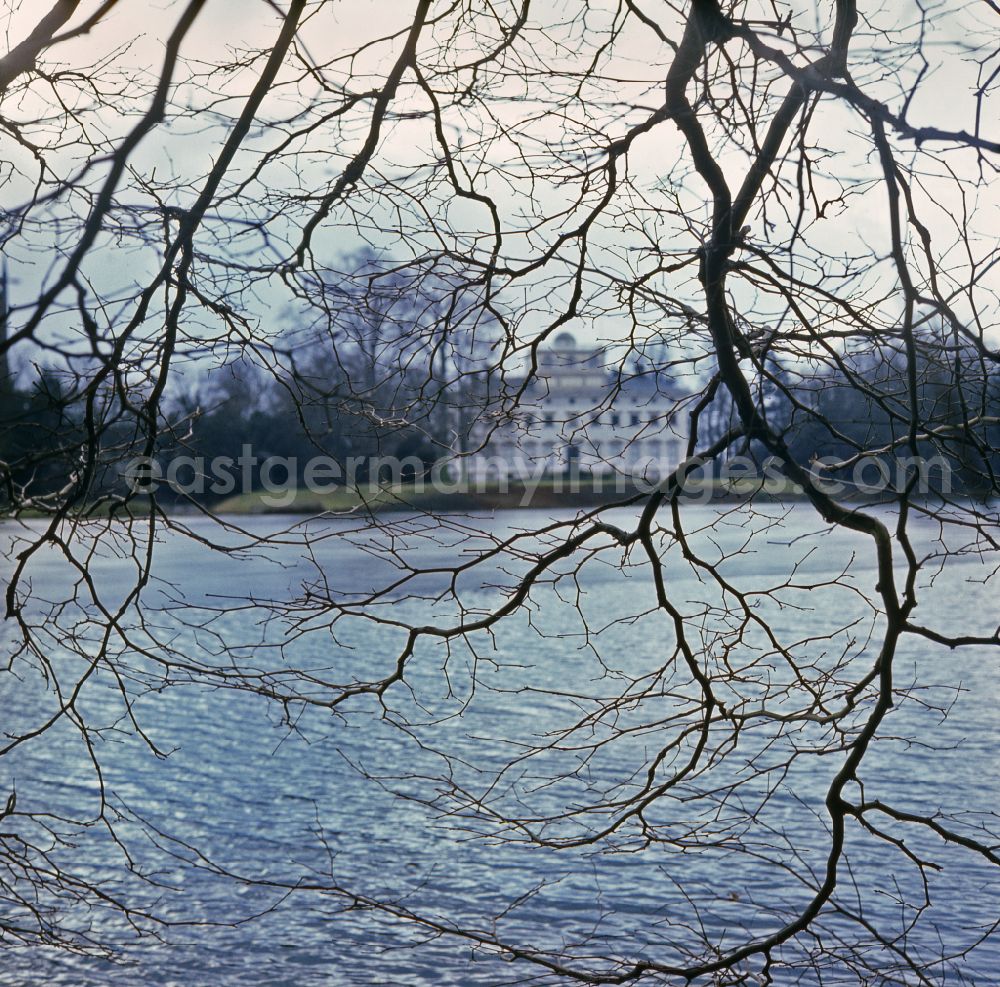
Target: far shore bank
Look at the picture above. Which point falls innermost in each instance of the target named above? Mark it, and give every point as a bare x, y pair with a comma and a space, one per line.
513, 497
410, 498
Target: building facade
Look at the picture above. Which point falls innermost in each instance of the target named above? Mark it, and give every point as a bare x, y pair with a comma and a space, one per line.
581, 415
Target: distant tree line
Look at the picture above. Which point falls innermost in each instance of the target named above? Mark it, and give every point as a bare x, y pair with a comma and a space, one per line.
363, 401
389, 371
385, 373
318, 410
870, 402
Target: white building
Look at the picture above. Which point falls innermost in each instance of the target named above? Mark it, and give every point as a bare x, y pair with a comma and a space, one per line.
580, 414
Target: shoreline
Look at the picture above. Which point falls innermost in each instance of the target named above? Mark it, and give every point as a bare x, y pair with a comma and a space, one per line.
406, 499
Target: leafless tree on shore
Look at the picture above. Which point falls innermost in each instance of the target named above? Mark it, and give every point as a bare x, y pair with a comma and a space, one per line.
783, 196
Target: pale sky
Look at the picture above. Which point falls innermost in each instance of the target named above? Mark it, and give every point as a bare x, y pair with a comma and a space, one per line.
632, 70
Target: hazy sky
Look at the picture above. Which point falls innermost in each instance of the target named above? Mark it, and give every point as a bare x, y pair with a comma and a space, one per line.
410, 220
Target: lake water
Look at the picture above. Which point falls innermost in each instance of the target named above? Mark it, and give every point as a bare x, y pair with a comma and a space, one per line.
281, 805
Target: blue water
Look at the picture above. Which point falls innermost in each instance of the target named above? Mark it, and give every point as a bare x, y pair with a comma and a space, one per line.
270, 803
